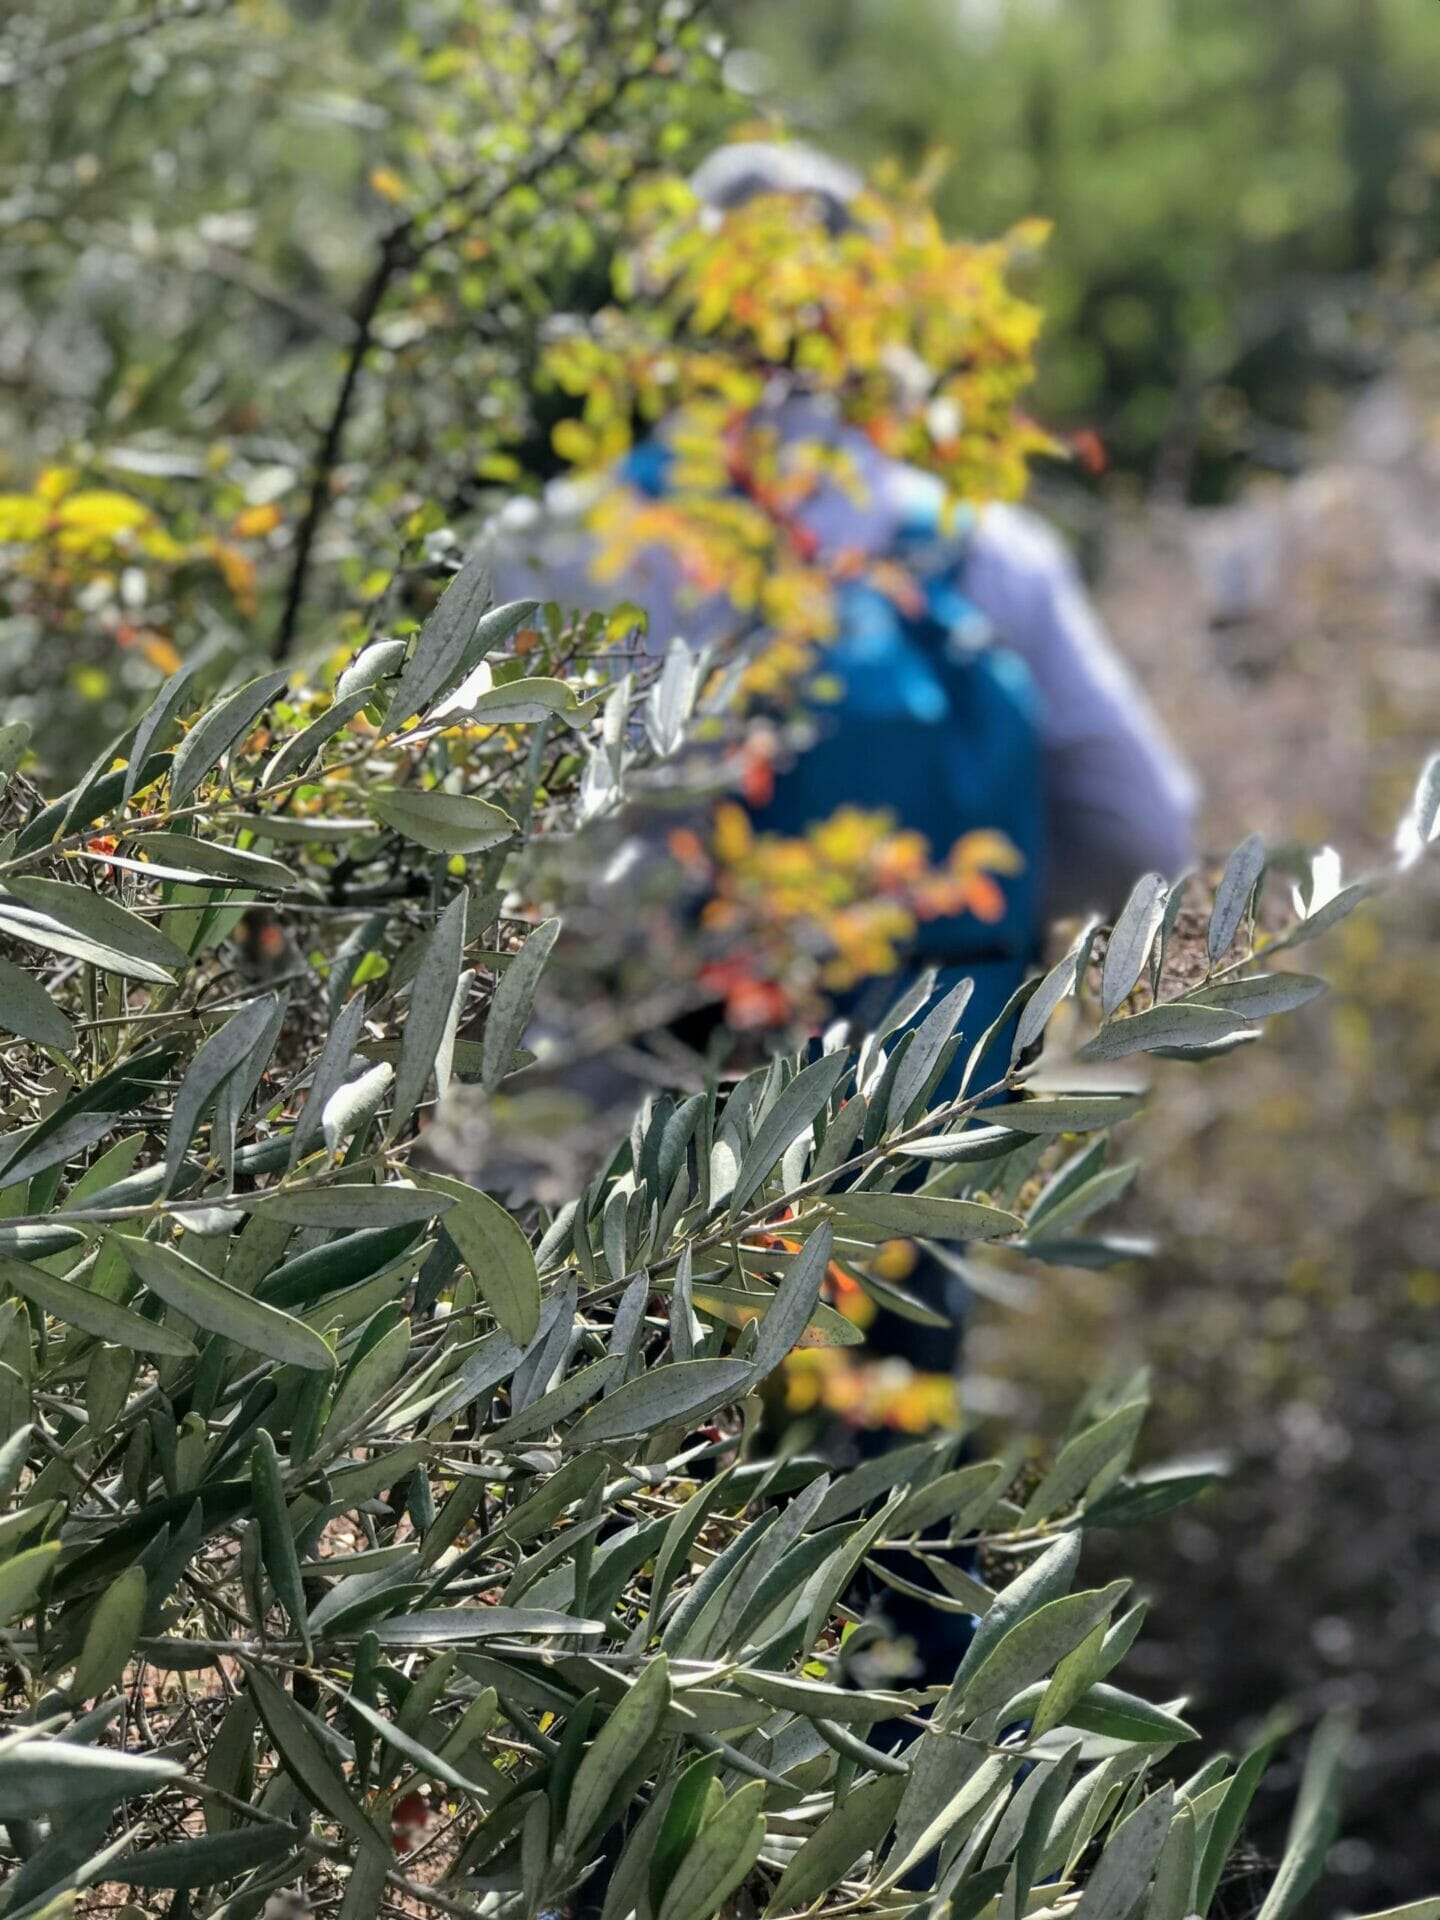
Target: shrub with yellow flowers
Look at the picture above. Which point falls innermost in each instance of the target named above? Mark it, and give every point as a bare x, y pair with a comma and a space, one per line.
803, 917
111, 572
915, 339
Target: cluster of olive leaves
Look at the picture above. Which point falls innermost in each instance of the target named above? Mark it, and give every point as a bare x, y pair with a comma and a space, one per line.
364, 1537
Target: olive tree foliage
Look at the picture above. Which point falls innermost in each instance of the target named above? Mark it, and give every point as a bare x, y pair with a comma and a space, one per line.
329, 1477
379, 1525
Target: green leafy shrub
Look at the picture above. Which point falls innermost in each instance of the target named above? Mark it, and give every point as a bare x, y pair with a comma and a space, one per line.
330, 1479
387, 1515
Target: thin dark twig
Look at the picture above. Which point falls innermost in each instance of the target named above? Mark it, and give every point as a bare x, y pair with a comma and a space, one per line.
395, 249
404, 245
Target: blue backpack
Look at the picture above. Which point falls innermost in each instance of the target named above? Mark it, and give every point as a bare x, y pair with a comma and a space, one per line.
933, 720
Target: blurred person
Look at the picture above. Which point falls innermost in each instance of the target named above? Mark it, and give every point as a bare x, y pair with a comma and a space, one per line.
983, 700
996, 703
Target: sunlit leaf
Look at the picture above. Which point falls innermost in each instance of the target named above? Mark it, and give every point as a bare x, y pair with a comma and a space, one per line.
92, 1312
217, 731
496, 1251
512, 1002
444, 822
109, 926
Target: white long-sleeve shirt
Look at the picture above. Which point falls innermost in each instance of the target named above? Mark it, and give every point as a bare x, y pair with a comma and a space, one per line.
1120, 801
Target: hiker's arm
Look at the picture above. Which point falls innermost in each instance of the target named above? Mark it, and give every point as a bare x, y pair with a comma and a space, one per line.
1121, 801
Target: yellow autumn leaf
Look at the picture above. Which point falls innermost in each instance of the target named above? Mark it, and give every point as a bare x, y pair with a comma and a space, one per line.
253, 523
388, 185
23, 517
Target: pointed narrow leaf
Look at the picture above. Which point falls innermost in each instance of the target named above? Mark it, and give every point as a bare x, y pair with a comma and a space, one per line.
1323, 918
1035, 1644
1316, 1820
442, 648
443, 822
1071, 1112
1131, 939
217, 731
1122, 1872
295, 756
812, 1698
38, 1241
421, 1757
155, 726
1109, 1441
222, 1309
792, 1115
277, 1541
22, 1577
723, 1853
432, 994
381, 660
523, 702
514, 997
633, 1725
40, 1776
26, 1009
1422, 823
1045, 1579
856, 1826
331, 1071
1072, 1209
1057, 985
1040, 1817
95, 918
347, 1204
682, 1391
110, 1638
1180, 1024
932, 1036
923, 1216
203, 1861
496, 1251
204, 856
239, 1088
1263, 994
956, 1814
682, 1814
1124, 1716
790, 1311
307, 1763
1242, 873
453, 1626
1228, 1821
496, 627
1175, 1870
213, 1064
14, 739
91, 1312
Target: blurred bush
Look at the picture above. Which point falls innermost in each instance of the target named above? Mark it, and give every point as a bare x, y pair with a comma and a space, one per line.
1244, 196
1291, 1310
252, 249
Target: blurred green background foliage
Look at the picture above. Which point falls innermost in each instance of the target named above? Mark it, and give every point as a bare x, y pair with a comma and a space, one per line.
1244, 196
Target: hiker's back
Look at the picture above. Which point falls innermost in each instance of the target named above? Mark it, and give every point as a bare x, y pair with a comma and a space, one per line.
922, 713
